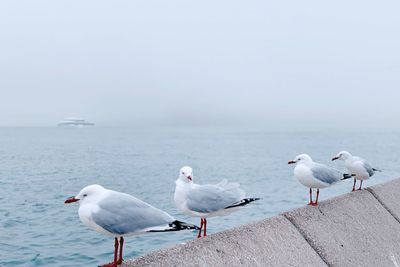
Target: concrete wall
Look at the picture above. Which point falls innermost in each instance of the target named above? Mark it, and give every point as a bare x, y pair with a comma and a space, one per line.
356, 229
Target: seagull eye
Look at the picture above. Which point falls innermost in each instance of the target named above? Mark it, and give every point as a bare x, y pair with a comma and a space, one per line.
183, 173
84, 195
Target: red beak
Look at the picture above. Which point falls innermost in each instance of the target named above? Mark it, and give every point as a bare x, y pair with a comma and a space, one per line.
71, 200
190, 178
291, 162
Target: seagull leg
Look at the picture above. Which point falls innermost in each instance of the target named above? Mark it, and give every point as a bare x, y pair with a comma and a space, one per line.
311, 202
201, 227
205, 227
354, 185
316, 200
115, 251
121, 244
114, 263
360, 185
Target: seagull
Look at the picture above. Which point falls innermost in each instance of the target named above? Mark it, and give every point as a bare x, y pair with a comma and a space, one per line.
315, 175
358, 167
207, 200
119, 214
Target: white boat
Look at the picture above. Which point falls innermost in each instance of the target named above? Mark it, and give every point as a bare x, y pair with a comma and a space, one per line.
74, 122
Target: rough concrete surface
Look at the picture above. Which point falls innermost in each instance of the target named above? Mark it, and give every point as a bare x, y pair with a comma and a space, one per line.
356, 229
272, 242
389, 196
350, 230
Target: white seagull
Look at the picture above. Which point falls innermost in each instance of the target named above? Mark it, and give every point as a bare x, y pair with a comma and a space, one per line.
358, 167
119, 214
315, 175
207, 200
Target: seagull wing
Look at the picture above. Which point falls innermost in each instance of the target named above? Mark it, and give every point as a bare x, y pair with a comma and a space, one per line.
121, 213
364, 165
326, 174
212, 198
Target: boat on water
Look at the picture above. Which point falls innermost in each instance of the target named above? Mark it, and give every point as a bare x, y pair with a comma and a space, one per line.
74, 122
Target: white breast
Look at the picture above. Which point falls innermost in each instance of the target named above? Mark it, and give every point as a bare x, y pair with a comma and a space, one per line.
85, 214
180, 195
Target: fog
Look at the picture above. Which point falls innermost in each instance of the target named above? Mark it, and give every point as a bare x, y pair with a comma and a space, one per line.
273, 64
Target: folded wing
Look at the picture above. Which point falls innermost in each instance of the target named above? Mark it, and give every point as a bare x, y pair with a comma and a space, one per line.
326, 174
122, 214
212, 198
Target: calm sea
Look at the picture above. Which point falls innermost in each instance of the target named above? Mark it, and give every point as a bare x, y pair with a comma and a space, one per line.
41, 167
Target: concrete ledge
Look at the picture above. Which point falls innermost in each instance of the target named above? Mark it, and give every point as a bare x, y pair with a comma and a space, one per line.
269, 242
388, 195
350, 230
355, 229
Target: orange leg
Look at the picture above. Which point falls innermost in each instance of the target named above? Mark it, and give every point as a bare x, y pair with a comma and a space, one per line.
201, 227
205, 227
316, 200
121, 245
360, 185
114, 263
311, 202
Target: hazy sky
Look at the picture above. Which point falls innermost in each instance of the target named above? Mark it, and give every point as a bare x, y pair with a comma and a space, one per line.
328, 64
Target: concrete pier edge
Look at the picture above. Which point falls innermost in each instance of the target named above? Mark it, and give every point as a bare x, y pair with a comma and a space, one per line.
360, 228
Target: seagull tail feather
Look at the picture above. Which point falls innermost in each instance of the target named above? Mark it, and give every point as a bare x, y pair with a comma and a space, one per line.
347, 176
176, 226
243, 202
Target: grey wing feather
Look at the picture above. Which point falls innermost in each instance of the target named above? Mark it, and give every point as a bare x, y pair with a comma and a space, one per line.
121, 214
326, 174
368, 168
211, 198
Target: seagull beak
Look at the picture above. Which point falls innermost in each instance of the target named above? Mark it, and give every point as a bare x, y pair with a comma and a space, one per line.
291, 162
335, 158
190, 178
71, 200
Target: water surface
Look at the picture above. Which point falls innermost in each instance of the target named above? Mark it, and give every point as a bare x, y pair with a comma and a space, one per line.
41, 167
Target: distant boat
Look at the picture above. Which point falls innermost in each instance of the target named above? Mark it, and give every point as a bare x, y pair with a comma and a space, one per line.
74, 122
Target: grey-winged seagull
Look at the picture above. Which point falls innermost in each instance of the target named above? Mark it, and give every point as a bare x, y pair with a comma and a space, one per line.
358, 167
315, 175
207, 200
119, 214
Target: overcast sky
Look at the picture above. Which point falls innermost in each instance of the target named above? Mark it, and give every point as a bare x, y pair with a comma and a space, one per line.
329, 64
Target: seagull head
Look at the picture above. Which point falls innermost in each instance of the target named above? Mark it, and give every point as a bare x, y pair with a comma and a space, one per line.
302, 158
88, 193
186, 174
343, 155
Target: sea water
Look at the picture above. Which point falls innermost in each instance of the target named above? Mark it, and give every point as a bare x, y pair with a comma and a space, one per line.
41, 167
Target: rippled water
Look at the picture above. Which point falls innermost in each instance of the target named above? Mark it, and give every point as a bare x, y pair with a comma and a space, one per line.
41, 167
